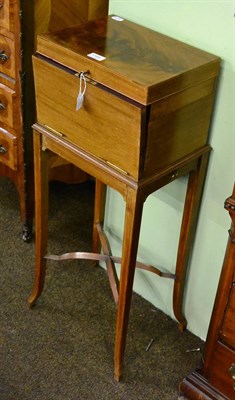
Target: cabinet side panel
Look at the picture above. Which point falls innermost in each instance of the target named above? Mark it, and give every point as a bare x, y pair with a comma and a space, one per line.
178, 125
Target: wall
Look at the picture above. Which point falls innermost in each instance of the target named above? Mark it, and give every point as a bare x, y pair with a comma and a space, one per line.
208, 25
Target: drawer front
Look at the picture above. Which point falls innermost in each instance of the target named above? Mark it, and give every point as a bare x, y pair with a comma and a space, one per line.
106, 126
7, 56
227, 333
9, 112
7, 14
220, 375
8, 149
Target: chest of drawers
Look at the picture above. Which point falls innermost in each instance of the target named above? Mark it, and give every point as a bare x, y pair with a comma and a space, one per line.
216, 379
20, 22
11, 124
10, 89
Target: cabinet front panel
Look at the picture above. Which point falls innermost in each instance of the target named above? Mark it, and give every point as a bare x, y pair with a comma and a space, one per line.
228, 327
8, 149
106, 126
9, 107
7, 56
219, 375
7, 14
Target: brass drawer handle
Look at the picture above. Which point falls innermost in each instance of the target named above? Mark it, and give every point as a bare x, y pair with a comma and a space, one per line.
3, 150
3, 56
2, 106
232, 372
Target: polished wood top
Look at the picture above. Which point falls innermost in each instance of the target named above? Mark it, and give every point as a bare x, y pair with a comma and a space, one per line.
134, 56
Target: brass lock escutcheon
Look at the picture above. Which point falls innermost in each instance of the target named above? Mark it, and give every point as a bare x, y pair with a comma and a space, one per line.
232, 372
3, 150
3, 56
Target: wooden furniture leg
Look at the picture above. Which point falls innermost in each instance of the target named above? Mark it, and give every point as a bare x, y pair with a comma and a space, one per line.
41, 215
191, 210
133, 215
100, 240
99, 210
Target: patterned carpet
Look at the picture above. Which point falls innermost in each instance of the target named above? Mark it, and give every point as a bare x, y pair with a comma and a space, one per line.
62, 349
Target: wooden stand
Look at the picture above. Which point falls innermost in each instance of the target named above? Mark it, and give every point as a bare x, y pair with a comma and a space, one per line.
134, 195
216, 379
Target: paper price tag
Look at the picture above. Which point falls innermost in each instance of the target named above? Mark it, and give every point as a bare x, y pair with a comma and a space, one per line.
116, 18
80, 99
81, 93
96, 56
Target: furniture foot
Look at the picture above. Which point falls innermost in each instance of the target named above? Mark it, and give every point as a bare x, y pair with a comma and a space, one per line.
196, 387
27, 231
38, 283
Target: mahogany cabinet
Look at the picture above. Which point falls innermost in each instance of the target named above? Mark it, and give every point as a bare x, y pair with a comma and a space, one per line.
216, 379
20, 22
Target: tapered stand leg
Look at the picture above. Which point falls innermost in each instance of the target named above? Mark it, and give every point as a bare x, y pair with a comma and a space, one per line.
133, 214
99, 210
191, 209
41, 216
100, 240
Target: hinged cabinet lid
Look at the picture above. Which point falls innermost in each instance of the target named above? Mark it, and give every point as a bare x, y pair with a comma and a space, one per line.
135, 61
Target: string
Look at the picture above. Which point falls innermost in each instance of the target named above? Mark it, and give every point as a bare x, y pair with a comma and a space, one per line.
82, 79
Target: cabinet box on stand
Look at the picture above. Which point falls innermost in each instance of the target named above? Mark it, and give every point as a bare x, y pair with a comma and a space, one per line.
132, 108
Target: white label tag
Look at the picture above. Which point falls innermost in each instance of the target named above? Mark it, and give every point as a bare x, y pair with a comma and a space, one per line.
119, 19
96, 56
81, 93
80, 99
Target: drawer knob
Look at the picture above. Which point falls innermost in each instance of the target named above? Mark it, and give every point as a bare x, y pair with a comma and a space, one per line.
232, 372
3, 150
3, 56
2, 106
